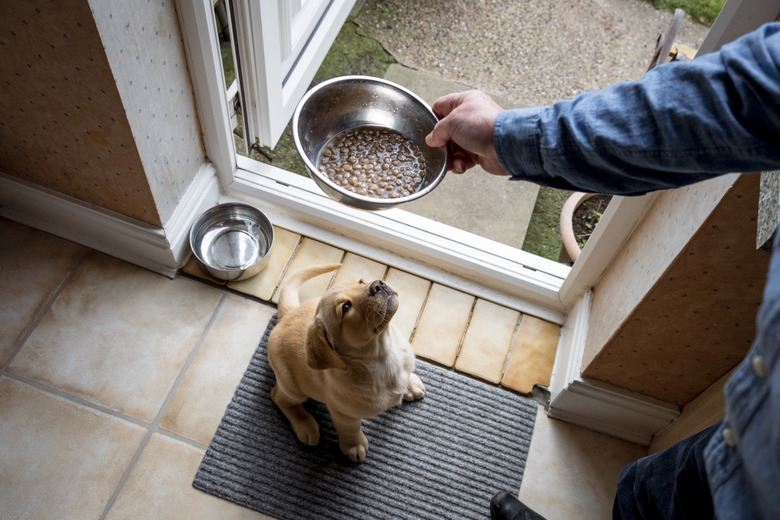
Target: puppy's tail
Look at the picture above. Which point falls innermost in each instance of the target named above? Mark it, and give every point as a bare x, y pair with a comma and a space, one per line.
289, 298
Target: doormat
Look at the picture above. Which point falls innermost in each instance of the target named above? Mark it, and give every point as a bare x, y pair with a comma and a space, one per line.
441, 457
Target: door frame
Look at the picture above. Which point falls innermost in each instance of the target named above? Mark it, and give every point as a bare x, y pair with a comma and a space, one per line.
453, 257
499, 268
281, 44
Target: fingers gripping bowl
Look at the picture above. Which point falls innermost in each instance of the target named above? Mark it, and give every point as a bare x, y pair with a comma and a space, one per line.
361, 107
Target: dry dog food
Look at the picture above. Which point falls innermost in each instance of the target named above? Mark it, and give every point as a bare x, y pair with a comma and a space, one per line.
375, 162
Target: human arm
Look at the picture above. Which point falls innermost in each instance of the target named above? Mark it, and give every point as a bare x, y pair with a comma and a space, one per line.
681, 123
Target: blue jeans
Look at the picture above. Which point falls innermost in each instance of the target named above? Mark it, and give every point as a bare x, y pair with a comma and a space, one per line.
671, 484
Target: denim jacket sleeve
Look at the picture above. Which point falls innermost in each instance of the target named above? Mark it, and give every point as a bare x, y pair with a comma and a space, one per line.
681, 123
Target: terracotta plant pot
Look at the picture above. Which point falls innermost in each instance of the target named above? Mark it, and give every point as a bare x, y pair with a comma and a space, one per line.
570, 244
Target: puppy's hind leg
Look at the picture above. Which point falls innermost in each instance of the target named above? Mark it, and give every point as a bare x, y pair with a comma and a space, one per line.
305, 427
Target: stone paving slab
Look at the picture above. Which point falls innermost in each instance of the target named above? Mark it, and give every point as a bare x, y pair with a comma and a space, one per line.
477, 202
533, 52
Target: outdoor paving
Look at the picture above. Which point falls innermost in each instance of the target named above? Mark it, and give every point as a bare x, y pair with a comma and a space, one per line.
530, 52
523, 53
483, 204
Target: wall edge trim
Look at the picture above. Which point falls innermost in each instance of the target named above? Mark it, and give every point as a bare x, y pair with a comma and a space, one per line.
595, 405
161, 250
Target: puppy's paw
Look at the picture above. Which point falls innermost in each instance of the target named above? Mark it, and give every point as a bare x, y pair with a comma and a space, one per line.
308, 431
415, 390
356, 451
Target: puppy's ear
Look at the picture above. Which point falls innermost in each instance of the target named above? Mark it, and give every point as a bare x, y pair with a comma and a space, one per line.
320, 354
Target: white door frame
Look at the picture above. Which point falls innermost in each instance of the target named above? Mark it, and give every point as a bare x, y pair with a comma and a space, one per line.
281, 44
499, 267
492, 270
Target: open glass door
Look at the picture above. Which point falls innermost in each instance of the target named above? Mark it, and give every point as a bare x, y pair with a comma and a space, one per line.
278, 45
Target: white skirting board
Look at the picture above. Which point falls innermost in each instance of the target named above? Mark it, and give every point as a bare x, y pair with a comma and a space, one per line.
162, 250
595, 405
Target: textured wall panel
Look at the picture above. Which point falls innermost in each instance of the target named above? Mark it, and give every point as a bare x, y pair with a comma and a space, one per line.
697, 320
62, 122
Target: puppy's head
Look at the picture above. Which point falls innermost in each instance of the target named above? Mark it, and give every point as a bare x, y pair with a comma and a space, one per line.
349, 319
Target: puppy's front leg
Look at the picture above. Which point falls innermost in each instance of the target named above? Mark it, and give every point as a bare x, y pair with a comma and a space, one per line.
352, 440
305, 427
415, 389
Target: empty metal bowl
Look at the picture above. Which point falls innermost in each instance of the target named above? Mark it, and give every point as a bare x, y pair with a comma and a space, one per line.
232, 241
347, 102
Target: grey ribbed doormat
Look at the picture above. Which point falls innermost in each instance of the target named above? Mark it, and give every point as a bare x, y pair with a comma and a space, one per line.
441, 457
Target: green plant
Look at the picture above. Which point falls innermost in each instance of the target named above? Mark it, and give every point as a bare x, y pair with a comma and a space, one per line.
543, 237
705, 11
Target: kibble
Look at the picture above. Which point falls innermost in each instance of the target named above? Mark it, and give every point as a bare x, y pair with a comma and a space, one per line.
372, 161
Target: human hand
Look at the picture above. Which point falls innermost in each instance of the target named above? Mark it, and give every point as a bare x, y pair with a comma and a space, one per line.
466, 124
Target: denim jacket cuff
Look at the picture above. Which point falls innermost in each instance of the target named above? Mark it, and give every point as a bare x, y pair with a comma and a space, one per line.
515, 137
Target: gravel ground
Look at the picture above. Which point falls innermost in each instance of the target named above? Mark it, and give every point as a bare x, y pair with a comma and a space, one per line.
531, 52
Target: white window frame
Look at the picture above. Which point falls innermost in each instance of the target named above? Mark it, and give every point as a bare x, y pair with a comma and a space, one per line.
489, 269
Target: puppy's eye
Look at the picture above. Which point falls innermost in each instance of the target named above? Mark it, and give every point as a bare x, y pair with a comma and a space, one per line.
344, 308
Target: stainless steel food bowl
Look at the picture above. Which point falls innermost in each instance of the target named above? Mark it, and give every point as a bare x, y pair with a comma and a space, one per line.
232, 241
347, 102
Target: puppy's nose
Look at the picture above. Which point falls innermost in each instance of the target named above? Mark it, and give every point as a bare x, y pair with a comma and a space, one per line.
377, 286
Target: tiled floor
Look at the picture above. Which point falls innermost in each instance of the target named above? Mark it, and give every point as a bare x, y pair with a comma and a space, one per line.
114, 379
444, 324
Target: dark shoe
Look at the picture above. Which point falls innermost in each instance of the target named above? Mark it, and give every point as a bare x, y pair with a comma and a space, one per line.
504, 506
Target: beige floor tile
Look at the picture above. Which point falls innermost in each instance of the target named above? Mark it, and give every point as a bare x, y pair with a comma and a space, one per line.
207, 387
442, 324
487, 342
572, 472
311, 253
59, 459
355, 267
118, 335
160, 486
533, 354
33, 264
412, 291
265, 282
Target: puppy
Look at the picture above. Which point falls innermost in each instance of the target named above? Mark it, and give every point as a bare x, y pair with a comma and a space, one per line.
342, 351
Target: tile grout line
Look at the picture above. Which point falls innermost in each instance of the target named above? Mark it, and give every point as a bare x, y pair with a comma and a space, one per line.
183, 439
511, 348
286, 267
153, 427
465, 331
45, 310
224, 289
76, 399
100, 408
343, 259
420, 312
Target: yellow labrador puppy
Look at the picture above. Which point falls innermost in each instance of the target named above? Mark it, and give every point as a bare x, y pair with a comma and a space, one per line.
342, 351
